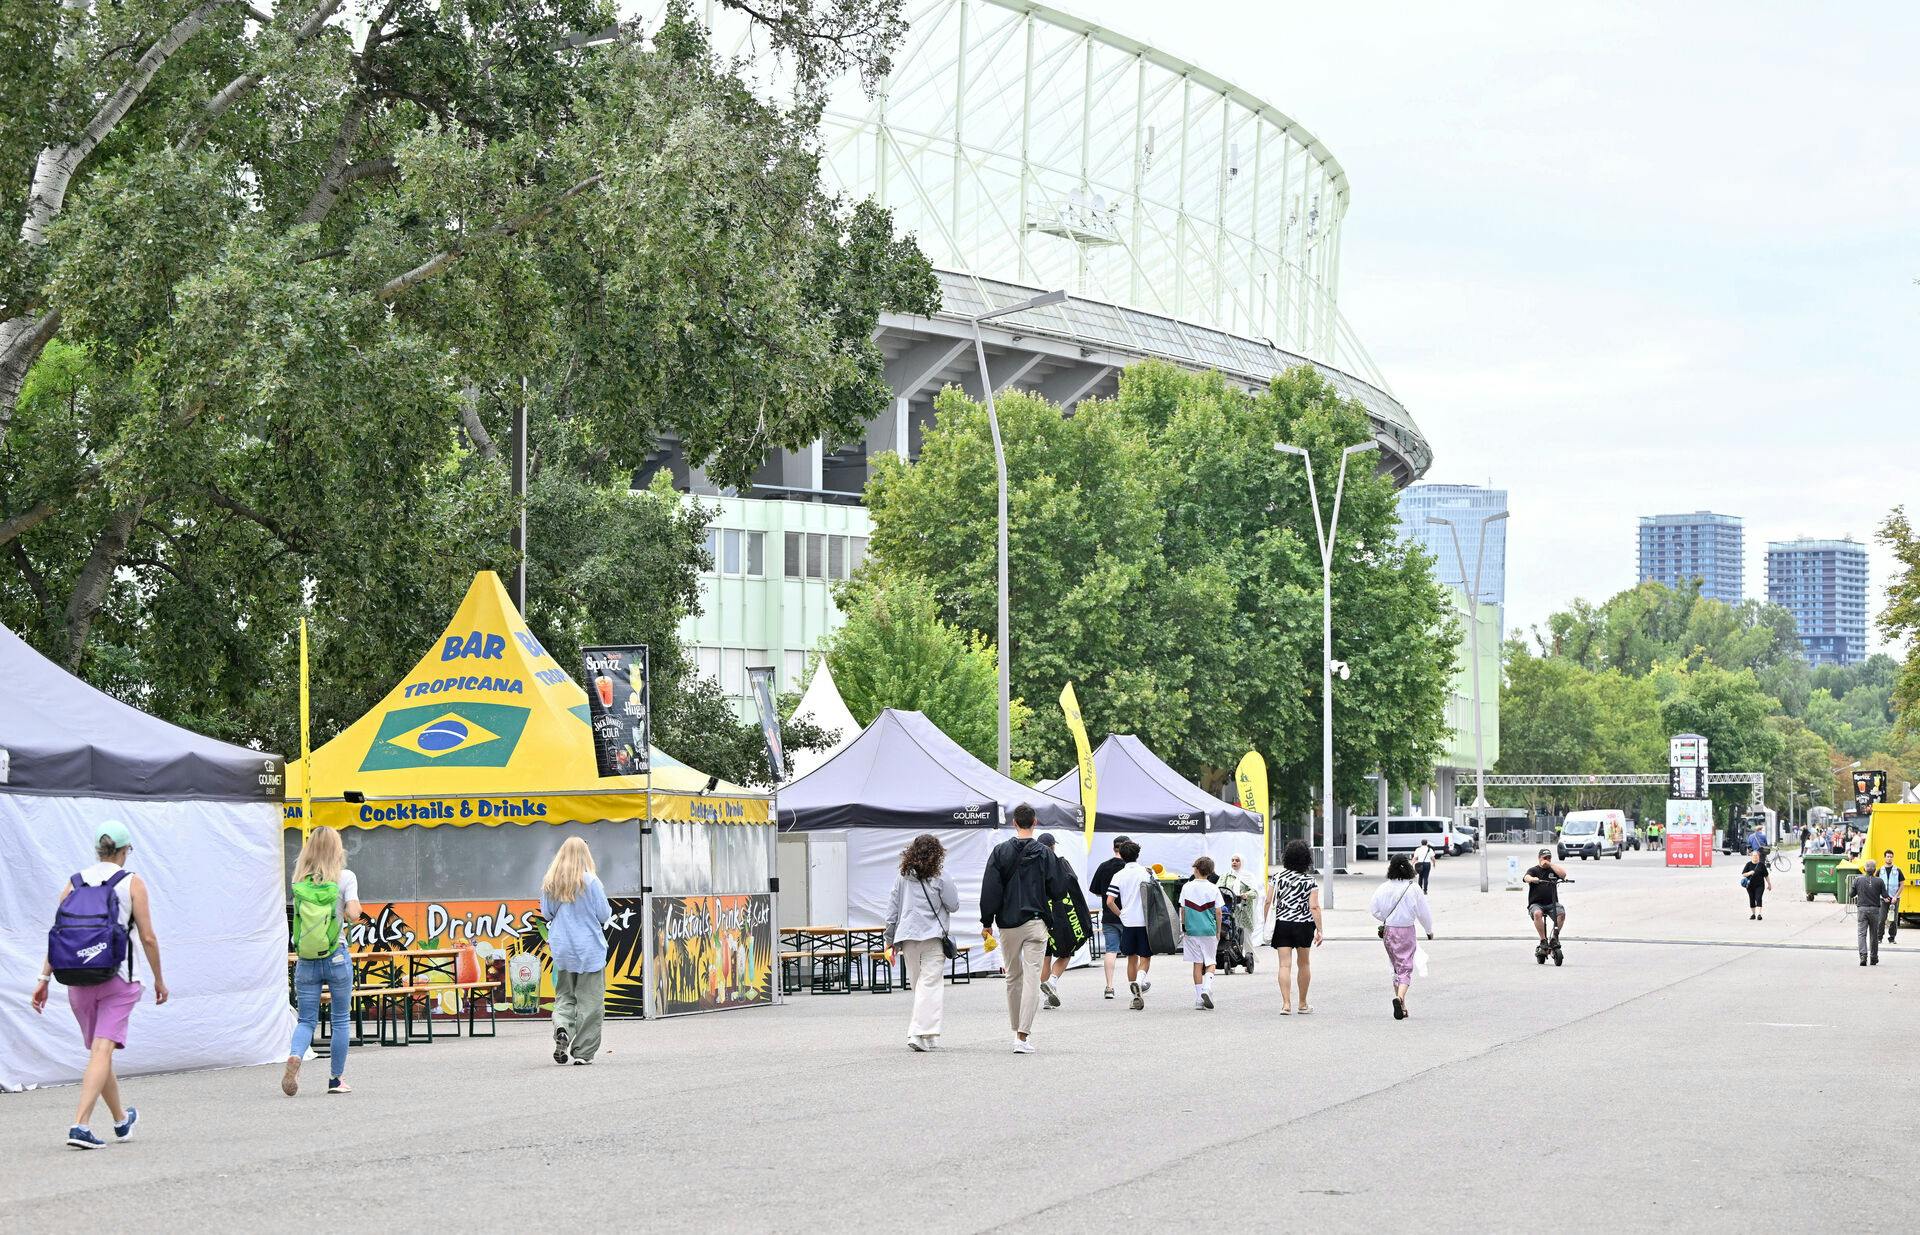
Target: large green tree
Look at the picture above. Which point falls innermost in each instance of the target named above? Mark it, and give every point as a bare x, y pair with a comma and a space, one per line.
1162, 556
1900, 620
896, 652
1558, 717
278, 284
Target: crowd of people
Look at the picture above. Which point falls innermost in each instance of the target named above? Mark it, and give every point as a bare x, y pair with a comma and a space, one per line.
1031, 908
1835, 839
1028, 891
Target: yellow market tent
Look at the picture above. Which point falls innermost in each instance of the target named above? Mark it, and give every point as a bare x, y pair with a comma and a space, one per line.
490, 729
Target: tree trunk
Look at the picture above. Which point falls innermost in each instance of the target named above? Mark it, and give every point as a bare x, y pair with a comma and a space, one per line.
90, 589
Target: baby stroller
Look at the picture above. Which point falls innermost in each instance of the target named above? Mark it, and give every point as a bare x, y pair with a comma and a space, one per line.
1235, 948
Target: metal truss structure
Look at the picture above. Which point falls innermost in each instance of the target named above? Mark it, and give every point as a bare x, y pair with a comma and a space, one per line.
1628, 780
1027, 149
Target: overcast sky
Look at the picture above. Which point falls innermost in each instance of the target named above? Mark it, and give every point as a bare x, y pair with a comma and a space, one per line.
1619, 259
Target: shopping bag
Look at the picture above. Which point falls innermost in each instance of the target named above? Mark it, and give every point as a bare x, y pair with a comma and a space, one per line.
1419, 961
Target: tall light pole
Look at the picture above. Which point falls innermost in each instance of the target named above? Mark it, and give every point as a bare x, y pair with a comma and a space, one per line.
1326, 531
1000, 474
1473, 635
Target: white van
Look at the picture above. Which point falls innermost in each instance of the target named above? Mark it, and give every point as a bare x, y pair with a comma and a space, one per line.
1593, 834
1404, 834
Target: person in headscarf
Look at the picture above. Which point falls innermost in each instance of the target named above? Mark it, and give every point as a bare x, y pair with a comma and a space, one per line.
1238, 882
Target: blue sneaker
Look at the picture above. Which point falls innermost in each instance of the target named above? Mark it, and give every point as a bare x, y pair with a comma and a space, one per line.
124, 1131
82, 1137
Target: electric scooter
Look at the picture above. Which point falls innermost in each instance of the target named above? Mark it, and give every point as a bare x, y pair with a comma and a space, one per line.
1551, 945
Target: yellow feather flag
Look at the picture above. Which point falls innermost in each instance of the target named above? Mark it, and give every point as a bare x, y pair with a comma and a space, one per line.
1089, 786
1252, 779
306, 741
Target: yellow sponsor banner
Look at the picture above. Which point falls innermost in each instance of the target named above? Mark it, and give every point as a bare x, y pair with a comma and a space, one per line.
1251, 776
1089, 783
493, 809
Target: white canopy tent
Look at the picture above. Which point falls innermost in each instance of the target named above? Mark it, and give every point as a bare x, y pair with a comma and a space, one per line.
822, 705
205, 818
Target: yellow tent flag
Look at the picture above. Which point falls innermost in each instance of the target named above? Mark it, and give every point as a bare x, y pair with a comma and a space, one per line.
1089, 785
306, 742
1251, 776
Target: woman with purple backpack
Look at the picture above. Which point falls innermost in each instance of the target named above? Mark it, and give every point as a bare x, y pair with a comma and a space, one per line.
99, 908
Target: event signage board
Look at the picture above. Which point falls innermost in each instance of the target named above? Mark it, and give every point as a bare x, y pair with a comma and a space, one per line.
709, 953
1687, 757
618, 703
761, 678
509, 940
1689, 840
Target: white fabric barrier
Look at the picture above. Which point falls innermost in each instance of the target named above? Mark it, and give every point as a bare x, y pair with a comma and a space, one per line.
873, 863
213, 875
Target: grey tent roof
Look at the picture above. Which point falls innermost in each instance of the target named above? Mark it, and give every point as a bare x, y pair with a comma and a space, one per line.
61, 736
1140, 793
903, 772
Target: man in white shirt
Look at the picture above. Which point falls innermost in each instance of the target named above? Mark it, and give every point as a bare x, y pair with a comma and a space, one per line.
1126, 900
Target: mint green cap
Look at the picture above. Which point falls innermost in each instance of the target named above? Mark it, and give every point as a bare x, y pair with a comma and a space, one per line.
116, 832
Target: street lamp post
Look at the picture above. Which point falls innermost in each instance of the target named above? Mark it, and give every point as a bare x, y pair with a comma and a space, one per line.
1326, 531
1000, 475
1473, 636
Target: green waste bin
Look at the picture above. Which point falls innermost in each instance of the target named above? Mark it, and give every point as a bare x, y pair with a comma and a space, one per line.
1818, 869
1843, 877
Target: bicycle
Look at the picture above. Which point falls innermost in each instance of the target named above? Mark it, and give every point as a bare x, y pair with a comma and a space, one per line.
1780, 863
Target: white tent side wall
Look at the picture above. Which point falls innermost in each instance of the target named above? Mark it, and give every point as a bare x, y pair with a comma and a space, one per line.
873, 864
213, 875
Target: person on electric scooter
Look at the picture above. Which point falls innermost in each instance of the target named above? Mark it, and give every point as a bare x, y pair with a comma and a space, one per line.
1543, 898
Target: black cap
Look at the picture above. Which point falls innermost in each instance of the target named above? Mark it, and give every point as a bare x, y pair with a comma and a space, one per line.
1046, 838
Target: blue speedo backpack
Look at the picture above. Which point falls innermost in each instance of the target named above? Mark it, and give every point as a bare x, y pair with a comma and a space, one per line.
88, 943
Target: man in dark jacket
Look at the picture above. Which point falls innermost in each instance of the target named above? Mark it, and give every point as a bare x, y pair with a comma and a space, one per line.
1021, 882
1870, 910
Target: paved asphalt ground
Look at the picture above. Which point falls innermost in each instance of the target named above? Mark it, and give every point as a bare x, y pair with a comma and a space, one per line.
1697, 1070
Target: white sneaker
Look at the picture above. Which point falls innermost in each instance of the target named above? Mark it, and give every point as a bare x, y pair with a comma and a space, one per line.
1052, 993
916, 1044
1145, 986
1023, 1046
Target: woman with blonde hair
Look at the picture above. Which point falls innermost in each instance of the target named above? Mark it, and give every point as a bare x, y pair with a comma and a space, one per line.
326, 896
575, 906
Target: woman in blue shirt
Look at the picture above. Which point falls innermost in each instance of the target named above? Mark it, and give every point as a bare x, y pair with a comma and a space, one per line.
575, 906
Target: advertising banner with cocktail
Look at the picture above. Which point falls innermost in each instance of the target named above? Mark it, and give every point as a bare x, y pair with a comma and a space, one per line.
618, 703
709, 953
508, 941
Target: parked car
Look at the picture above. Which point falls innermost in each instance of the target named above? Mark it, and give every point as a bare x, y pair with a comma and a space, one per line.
1592, 834
1460, 838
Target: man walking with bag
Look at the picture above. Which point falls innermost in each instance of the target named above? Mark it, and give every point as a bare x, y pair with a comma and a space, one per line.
1021, 882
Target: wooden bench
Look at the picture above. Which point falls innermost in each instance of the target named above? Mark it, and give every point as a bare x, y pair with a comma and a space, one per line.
394, 1001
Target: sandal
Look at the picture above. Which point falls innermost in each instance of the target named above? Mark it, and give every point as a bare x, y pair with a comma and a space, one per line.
1305, 1010
1286, 1010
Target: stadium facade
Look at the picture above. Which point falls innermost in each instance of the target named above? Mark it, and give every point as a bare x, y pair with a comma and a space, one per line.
1029, 150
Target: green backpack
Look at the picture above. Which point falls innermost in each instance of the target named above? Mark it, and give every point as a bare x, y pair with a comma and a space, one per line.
316, 919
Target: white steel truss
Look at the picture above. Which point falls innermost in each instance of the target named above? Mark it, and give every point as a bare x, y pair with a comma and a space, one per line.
1019, 142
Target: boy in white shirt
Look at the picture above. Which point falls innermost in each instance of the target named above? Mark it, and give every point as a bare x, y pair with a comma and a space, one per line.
1126, 901
1200, 919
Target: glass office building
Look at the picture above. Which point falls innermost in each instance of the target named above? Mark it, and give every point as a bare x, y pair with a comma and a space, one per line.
1678, 549
1466, 506
1823, 583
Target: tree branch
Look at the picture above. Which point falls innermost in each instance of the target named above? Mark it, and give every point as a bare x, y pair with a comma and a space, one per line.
21, 341
234, 505
90, 589
54, 169
512, 227
231, 92
476, 431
